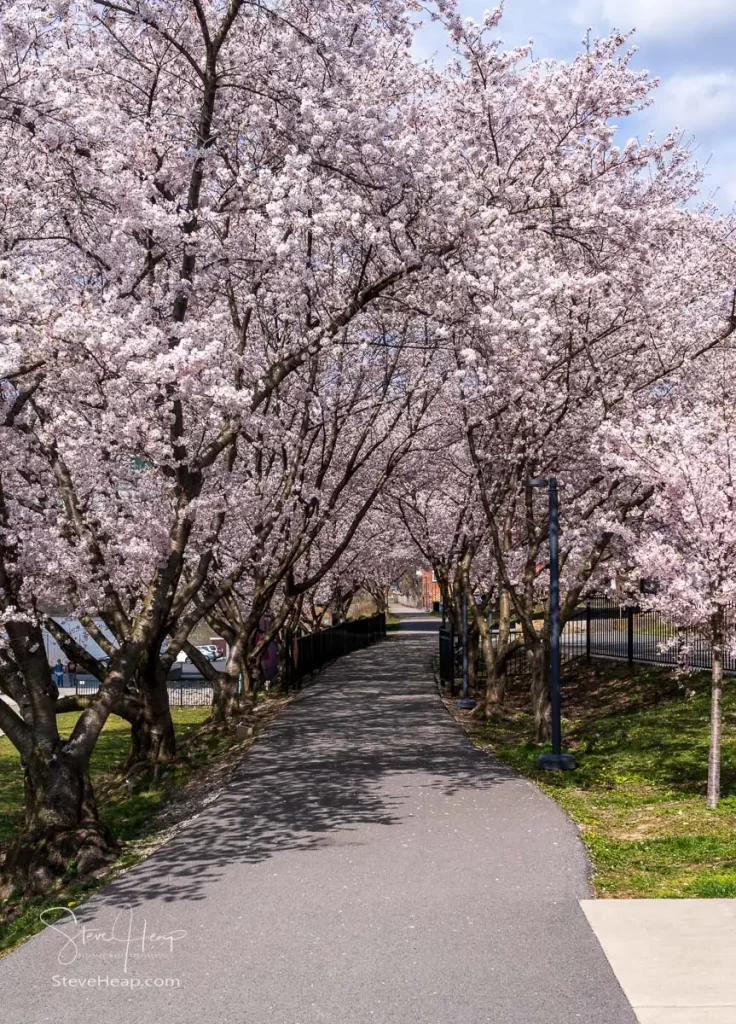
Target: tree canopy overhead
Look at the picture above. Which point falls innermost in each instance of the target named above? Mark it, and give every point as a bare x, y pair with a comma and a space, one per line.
282, 309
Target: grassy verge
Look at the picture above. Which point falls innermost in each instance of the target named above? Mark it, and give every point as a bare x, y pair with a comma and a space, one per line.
142, 819
640, 737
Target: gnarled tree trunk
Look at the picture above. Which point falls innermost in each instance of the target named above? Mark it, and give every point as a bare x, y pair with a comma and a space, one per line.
63, 832
253, 680
226, 700
496, 658
152, 735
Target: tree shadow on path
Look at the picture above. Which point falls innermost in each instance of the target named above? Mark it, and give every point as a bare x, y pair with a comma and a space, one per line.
326, 769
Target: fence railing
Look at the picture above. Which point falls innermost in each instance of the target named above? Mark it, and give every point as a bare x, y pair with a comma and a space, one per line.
601, 628
309, 652
183, 693
303, 655
606, 629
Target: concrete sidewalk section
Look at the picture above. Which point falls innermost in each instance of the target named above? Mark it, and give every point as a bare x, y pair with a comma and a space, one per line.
675, 959
368, 865
65, 691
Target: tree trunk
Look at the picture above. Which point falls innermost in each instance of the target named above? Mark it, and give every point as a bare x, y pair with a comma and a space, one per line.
495, 659
152, 734
714, 756
447, 599
253, 680
495, 693
474, 655
540, 692
340, 606
380, 599
226, 701
63, 833
495, 671
504, 619
58, 790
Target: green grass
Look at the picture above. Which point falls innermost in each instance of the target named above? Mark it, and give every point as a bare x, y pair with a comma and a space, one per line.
638, 794
128, 815
123, 812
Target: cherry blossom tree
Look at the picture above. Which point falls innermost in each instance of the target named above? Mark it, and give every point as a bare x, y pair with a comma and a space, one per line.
319, 463
209, 195
590, 280
257, 267
682, 444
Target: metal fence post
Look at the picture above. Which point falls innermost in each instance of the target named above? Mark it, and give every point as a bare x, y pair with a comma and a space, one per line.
587, 630
630, 635
310, 652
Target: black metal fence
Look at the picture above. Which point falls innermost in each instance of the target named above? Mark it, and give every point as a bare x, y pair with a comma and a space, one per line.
309, 652
303, 655
601, 628
606, 629
191, 695
183, 693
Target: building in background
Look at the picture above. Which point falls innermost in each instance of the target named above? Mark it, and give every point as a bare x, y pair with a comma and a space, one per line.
419, 589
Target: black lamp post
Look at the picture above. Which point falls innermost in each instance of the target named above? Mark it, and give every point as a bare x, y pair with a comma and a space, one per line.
466, 701
556, 761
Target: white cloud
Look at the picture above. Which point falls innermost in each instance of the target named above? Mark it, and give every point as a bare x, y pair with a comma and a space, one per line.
663, 19
720, 174
701, 105
700, 102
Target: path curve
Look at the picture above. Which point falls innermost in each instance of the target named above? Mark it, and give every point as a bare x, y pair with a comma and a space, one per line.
368, 865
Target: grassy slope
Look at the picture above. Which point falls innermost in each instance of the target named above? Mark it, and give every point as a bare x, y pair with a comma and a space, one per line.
121, 815
641, 740
131, 816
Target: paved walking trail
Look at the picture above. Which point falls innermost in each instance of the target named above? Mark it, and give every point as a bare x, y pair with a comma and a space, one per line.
367, 866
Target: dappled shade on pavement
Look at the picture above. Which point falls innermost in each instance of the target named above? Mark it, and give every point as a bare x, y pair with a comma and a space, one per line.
366, 863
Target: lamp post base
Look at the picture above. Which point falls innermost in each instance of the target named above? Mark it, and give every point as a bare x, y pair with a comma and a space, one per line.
465, 702
556, 762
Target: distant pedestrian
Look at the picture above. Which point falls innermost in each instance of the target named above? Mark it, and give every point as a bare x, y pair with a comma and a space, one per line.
59, 673
71, 671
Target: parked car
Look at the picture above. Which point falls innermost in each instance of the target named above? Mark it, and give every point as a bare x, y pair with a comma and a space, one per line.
209, 650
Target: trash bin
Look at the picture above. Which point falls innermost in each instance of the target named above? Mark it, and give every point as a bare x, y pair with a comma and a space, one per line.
436, 607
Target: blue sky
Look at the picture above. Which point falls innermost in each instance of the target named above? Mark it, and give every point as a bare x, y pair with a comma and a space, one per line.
689, 44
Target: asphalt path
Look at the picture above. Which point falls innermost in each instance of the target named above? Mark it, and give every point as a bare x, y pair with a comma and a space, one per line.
367, 864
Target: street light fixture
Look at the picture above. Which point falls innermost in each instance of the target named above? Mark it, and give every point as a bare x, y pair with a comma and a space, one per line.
556, 761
